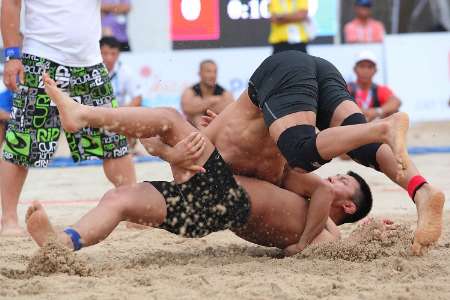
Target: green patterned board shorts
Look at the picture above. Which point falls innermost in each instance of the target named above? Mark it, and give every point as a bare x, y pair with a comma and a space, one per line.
34, 128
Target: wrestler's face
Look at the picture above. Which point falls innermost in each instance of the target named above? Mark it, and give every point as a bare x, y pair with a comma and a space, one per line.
208, 74
365, 70
110, 56
344, 186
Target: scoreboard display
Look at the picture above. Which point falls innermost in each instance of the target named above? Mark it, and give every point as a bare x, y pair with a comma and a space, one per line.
238, 23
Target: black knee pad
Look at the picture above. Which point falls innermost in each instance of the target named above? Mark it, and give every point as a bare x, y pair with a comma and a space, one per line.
365, 155
298, 146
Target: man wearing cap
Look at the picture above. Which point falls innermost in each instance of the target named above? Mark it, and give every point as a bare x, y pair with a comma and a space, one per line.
363, 28
376, 101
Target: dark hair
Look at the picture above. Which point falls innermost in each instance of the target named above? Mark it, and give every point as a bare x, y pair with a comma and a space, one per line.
362, 199
110, 41
207, 61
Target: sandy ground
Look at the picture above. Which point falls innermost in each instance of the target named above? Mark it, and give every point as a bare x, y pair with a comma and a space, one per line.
153, 264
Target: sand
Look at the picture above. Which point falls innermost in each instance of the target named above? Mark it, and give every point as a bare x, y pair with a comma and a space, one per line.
153, 264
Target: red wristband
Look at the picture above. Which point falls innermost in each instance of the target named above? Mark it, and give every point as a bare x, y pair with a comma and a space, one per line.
414, 184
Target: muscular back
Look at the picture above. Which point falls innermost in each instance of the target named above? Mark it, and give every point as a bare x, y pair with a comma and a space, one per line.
240, 135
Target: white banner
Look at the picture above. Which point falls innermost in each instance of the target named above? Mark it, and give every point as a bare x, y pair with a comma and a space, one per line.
415, 66
418, 69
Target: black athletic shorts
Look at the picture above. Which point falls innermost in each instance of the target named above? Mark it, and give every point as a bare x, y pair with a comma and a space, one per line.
292, 81
207, 203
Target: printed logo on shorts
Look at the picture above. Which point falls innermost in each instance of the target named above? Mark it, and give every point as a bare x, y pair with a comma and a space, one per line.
92, 145
18, 143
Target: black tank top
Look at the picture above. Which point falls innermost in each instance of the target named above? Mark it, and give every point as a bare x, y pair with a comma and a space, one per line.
218, 90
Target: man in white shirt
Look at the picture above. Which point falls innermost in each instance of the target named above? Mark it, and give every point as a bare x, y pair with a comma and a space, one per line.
127, 90
60, 38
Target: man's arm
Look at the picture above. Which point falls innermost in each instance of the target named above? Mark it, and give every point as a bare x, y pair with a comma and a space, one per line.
193, 105
391, 106
298, 16
10, 23
121, 8
321, 196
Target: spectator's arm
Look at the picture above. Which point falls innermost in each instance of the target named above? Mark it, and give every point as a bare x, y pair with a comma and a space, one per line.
10, 23
193, 105
349, 37
294, 17
121, 8
391, 106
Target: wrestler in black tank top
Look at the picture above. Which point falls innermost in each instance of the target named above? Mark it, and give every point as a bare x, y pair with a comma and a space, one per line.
218, 90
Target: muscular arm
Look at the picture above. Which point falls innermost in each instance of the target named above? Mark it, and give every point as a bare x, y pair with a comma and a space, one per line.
121, 8
321, 196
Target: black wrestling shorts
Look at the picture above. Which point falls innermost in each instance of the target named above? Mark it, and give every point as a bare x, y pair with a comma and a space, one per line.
207, 203
292, 81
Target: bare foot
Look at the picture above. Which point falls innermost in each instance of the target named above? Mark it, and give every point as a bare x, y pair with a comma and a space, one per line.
12, 230
398, 128
69, 110
38, 224
430, 204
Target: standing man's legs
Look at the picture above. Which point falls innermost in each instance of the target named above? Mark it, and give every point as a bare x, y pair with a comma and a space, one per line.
12, 178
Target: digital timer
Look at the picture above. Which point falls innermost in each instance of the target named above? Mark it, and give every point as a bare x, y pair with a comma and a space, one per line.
252, 9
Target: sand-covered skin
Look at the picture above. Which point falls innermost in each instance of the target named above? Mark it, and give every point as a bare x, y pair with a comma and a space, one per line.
153, 264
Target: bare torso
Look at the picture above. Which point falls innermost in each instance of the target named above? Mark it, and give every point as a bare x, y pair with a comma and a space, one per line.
240, 135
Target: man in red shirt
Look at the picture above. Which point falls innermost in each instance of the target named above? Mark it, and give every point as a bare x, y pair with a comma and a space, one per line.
363, 28
376, 101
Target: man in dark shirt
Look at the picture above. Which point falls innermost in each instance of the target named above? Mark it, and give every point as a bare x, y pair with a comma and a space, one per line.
206, 94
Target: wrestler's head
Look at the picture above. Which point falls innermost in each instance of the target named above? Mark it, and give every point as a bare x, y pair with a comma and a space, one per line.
353, 199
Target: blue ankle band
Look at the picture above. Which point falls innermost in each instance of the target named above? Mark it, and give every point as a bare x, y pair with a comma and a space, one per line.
75, 237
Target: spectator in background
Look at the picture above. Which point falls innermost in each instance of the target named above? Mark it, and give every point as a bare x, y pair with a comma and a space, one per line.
206, 94
376, 101
125, 88
114, 21
290, 25
363, 28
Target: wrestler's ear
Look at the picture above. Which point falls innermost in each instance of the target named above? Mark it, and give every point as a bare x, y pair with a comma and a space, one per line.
349, 207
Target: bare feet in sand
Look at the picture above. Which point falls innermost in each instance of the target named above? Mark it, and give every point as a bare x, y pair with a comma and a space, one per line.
69, 110
11, 230
38, 224
396, 139
430, 203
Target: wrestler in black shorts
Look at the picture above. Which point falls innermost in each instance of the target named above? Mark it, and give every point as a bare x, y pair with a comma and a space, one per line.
206, 203
292, 81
